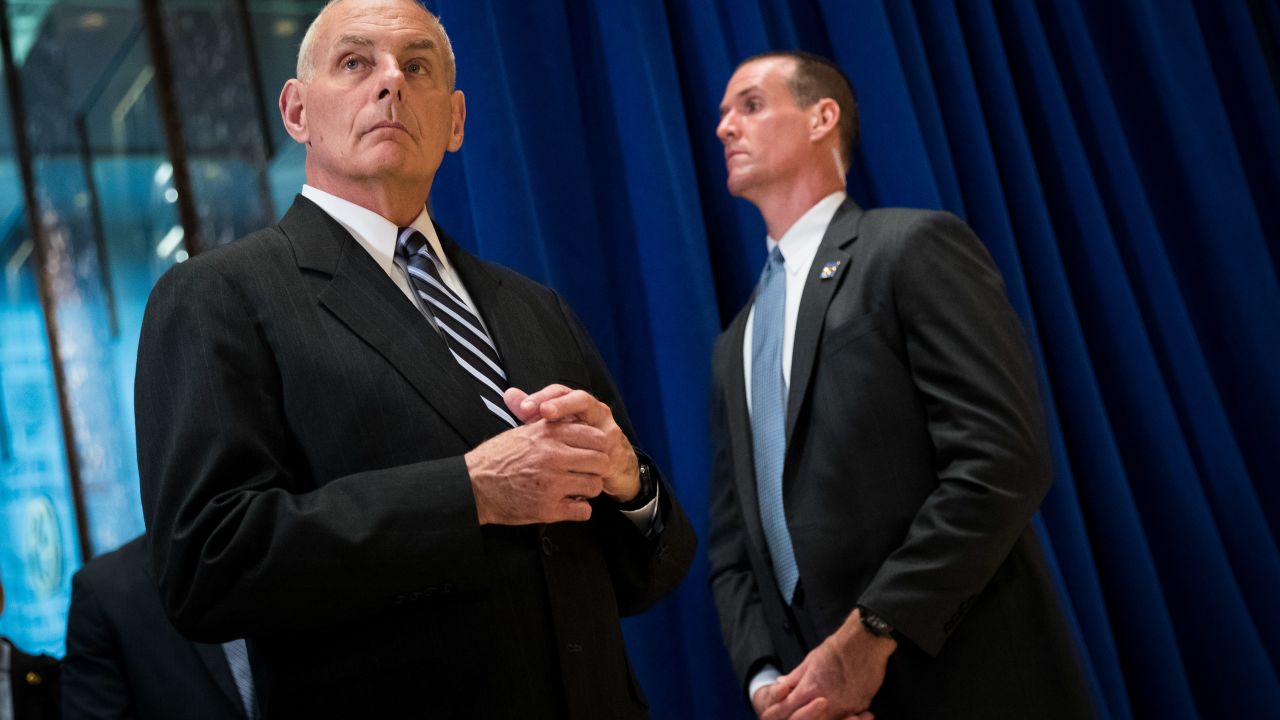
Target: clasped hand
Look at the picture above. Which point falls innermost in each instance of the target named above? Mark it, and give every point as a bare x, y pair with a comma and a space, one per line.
836, 680
568, 450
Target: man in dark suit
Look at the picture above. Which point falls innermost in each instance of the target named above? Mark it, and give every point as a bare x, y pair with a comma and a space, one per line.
339, 462
880, 446
28, 683
125, 659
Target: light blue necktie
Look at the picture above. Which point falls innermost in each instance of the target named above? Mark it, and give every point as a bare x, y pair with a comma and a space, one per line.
238, 658
768, 417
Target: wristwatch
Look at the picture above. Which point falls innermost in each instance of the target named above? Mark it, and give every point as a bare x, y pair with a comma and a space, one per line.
648, 487
875, 624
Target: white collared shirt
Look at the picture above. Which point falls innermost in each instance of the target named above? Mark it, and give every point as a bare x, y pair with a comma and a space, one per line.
799, 246
378, 235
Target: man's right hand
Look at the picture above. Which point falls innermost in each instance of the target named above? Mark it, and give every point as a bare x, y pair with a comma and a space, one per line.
767, 696
543, 472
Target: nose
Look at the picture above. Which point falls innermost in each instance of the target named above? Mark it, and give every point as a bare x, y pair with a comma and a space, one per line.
727, 129
390, 79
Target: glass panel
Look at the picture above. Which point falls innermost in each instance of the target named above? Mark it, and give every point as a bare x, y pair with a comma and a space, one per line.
277, 29
78, 111
38, 541
109, 210
222, 118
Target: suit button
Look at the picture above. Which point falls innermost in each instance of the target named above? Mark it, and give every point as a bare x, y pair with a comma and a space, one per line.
573, 647
786, 627
33, 678
446, 588
548, 547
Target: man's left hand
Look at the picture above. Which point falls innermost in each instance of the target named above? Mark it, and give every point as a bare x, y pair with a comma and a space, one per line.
559, 403
838, 678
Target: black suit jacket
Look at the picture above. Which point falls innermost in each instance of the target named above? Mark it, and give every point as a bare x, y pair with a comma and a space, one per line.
301, 428
34, 681
125, 659
916, 458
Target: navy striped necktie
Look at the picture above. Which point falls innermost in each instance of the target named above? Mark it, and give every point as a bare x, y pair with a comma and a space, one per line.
462, 330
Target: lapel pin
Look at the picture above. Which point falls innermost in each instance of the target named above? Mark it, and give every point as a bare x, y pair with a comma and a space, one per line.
829, 270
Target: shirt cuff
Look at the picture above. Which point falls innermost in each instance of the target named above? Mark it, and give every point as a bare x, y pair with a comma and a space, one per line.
643, 517
768, 675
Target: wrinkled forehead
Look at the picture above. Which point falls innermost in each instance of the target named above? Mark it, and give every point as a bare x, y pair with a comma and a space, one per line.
363, 18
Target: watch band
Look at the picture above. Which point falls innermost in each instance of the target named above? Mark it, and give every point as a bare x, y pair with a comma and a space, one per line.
648, 487
875, 624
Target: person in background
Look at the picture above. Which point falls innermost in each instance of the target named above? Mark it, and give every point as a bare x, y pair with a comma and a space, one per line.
880, 445
28, 683
401, 473
125, 659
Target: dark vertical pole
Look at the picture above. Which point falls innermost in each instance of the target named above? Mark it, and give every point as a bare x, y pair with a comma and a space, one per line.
167, 96
18, 116
99, 231
255, 84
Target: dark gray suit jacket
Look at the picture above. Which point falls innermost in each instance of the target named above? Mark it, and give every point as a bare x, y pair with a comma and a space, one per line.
916, 458
125, 659
301, 432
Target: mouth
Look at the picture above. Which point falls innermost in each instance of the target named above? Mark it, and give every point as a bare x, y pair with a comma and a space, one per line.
387, 125
729, 155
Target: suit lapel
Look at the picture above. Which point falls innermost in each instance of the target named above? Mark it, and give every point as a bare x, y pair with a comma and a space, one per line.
735, 398
817, 295
368, 302
215, 661
526, 354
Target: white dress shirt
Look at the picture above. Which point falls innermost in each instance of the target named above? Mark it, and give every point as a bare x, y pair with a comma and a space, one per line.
6, 686
378, 235
799, 246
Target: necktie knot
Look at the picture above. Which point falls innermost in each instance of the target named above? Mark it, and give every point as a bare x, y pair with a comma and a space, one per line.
410, 242
773, 265
775, 256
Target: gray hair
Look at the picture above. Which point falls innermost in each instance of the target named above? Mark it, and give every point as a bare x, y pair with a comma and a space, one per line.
306, 50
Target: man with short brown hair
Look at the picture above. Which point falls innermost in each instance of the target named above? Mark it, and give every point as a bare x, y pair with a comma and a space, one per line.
880, 446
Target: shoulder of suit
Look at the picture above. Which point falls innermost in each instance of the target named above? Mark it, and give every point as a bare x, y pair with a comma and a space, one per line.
250, 252
114, 571
896, 222
890, 232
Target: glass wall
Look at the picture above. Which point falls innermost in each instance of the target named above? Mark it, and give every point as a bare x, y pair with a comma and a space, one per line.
141, 154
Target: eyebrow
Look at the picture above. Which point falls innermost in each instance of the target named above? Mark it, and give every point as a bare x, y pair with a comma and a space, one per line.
360, 40
354, 40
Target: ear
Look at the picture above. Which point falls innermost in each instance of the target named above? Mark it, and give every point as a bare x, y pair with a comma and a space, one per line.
457, 119
293, 110
824, 118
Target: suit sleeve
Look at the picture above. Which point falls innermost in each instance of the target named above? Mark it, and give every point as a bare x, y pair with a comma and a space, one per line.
969, 361
93, 680
243, 543
643, 569
733, 582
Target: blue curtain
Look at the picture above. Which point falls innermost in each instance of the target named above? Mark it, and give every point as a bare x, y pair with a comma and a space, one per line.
1120, 159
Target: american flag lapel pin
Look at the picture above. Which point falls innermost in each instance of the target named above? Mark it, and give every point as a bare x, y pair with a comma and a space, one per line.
829, 270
